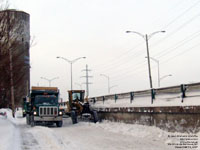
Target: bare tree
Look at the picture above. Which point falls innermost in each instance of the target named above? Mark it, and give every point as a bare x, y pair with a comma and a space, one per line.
12, 61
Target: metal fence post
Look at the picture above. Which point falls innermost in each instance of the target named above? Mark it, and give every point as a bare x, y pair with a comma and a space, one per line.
183, 90
94, 100
131, 97
116, 97
153, 93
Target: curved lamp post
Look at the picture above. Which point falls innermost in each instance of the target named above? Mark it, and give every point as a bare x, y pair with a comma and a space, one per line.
108, 81
165, 76
146, 38
113, 86
49, 80
157, 61
71, 62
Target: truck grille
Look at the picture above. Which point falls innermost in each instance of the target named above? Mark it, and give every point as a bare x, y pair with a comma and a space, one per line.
48, 111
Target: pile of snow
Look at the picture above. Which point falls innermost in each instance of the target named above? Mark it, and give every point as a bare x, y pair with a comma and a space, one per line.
46, 138
9, 134
112, 135
192, 99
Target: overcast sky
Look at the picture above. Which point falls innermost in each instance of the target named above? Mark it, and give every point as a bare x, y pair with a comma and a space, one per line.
96, 29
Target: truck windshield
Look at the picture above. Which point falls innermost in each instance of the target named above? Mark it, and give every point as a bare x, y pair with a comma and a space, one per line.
76, 96
46, 99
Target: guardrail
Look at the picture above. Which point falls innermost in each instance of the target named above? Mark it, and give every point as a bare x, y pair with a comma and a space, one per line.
182, 89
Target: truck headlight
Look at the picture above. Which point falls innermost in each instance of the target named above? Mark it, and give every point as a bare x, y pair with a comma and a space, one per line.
35, 113
60, 113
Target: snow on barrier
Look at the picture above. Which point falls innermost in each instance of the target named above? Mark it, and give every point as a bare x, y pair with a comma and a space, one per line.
174, 108
172, 96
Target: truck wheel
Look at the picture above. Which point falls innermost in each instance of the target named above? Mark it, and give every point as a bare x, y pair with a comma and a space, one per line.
95, 116
32, 123
24, 115
59, 124
74, 117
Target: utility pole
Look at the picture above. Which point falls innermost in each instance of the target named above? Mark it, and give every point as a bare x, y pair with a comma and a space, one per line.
149, 66
87, 80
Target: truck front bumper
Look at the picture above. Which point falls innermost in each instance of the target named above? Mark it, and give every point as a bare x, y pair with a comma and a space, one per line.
42, 118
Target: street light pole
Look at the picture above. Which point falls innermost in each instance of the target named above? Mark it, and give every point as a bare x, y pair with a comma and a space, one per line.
149, 66
147, 37
49, 80
112, 86
71, 76
108, 81
157, 61
71, 62
165, 76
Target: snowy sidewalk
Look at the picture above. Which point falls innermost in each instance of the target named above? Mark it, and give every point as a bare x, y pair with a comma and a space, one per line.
9, 134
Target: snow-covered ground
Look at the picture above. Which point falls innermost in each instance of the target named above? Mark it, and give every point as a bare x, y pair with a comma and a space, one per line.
162, 100
9, 132
16, 135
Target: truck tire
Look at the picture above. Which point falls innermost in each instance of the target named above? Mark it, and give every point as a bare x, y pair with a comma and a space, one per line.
32, 121
74, 117
59, 123
24, 115
95, 116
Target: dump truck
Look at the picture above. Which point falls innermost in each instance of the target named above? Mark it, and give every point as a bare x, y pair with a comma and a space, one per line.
43, 107
79, 107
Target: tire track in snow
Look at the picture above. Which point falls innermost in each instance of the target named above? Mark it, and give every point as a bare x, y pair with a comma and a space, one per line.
28, 141
47, 140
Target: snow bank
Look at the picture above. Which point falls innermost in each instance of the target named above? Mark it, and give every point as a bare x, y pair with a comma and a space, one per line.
142, 132
46, 138
9, 134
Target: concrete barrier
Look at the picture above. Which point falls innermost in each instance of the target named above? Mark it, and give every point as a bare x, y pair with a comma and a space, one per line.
173, 119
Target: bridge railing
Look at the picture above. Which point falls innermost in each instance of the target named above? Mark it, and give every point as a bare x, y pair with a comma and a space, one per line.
182, 91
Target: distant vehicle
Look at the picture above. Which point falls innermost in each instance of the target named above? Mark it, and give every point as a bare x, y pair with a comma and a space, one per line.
4, 114
43, 107
77, 106
24, 106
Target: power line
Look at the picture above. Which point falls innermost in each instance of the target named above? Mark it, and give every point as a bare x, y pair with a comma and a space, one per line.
177, 45
179, 16
177, 29
181, 53
118, 60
